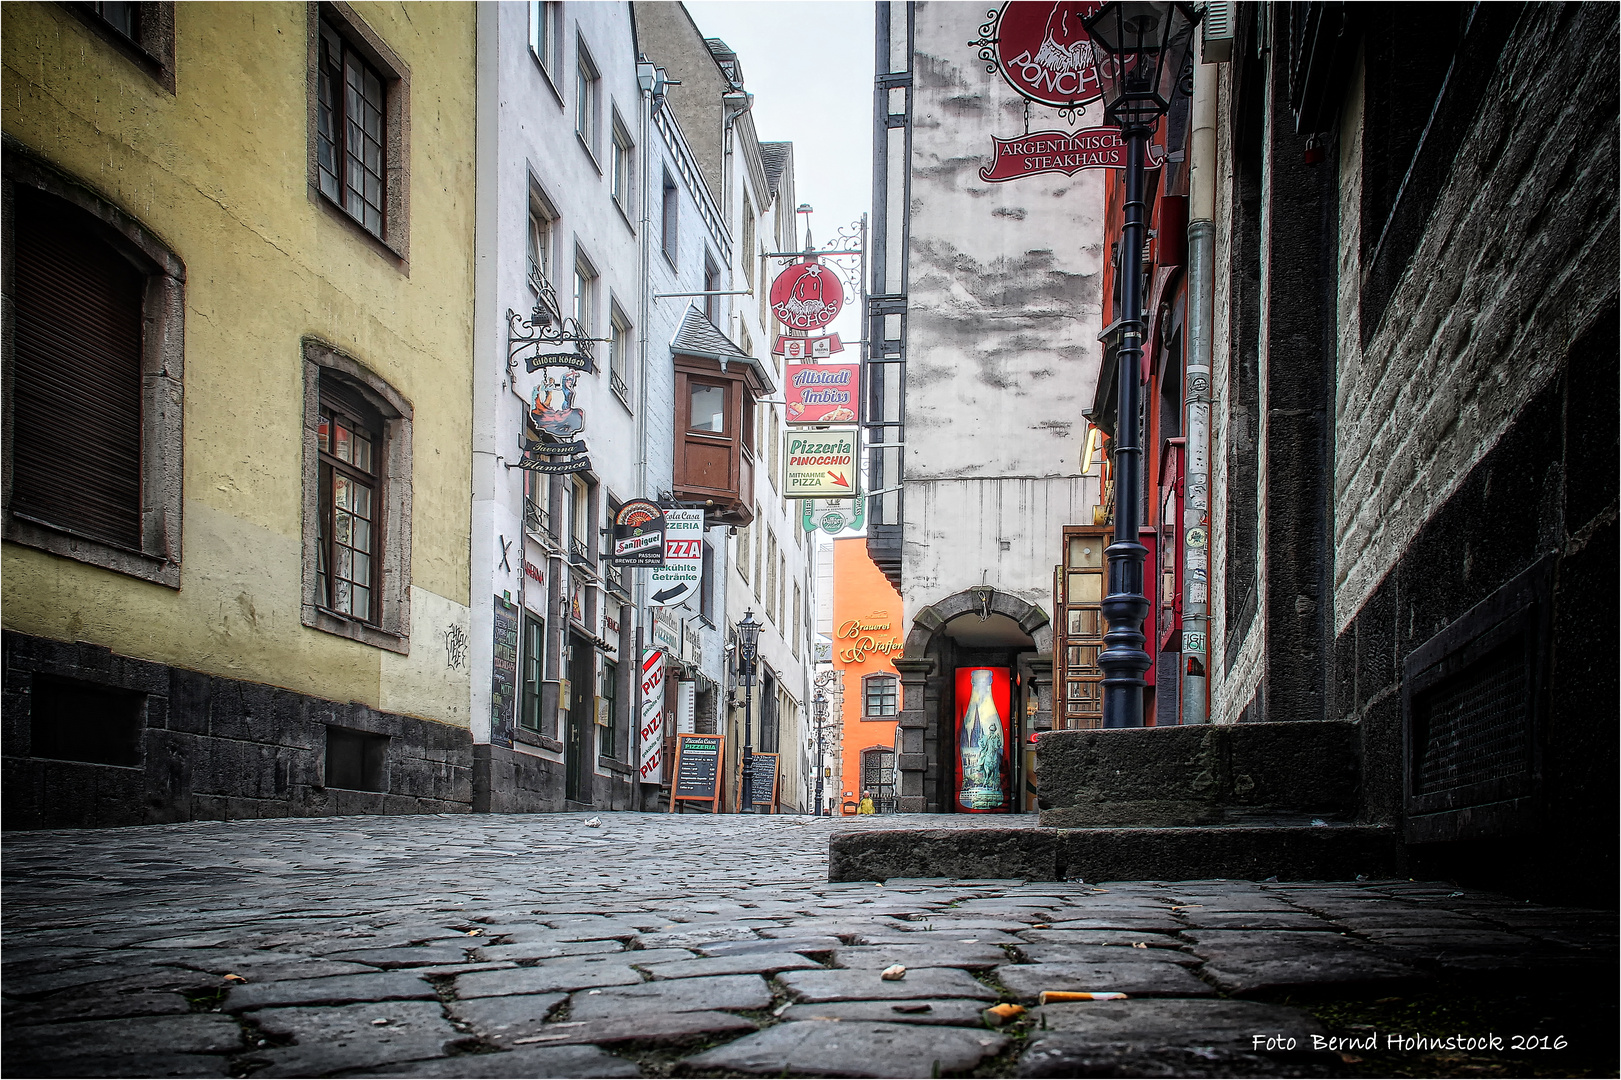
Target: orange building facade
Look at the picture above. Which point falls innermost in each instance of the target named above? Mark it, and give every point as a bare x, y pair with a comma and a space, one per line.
868, 634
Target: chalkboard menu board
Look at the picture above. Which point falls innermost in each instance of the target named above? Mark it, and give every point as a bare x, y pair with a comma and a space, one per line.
697, 767
765, 779
504, 673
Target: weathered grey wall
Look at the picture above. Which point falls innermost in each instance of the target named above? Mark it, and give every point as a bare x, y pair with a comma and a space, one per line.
1002, 335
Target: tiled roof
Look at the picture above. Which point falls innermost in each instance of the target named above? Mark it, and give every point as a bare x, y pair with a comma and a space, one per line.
700, 337
774, 156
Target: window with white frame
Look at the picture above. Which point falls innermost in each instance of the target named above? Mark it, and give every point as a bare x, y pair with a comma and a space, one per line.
587, 99
619, 348
542, 230
585, 287
543, 36
670, 219
711, 286
622, 166
748, 240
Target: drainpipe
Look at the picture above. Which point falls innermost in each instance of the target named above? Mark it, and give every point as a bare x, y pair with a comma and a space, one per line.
650, 78
1196, 380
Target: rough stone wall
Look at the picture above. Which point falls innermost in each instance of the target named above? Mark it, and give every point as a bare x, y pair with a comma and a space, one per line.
214, 748
1232, 687
1518, 257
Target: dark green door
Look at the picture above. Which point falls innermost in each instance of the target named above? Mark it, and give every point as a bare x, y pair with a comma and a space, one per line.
577, 742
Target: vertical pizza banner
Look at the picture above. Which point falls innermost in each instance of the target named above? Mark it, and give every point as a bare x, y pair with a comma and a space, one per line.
984, 771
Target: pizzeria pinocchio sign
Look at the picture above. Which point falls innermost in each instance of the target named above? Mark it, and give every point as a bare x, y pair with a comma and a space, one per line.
821, 464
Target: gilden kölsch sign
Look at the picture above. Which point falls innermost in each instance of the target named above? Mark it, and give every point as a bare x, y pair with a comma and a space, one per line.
1067, 152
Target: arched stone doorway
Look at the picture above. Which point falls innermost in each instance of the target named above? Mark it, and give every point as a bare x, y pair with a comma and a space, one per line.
976, 627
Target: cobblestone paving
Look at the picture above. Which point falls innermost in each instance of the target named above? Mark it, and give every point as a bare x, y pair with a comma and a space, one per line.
652, 945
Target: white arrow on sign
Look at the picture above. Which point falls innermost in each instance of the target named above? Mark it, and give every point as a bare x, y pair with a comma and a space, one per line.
683, 571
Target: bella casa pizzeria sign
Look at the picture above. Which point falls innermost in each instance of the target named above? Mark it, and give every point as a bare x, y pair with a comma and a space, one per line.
857, 639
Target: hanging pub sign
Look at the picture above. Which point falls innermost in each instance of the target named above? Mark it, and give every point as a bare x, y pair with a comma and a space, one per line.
1043, 51
806, 296
821, 464
558, 421
823, 393
682, 573
639, 534
832, 516
808, 348
1067, 152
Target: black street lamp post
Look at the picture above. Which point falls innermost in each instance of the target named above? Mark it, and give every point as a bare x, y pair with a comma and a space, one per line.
821, 731
1140, 50
748, 651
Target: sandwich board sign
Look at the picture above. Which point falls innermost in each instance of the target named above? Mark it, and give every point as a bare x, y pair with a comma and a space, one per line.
821, 463
683, 571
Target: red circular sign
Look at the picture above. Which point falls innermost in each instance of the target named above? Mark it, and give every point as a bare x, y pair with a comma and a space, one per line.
806, 296
1044, 53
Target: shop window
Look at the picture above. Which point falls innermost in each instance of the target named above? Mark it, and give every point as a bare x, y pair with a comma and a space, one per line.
770, 713
359, 92
357, 502
608, 711
880, 697
93, 358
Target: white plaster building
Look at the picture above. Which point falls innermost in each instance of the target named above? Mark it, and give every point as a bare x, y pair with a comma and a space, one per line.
983, 323
562, 125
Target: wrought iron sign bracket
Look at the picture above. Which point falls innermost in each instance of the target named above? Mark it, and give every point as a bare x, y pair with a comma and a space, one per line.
542, 327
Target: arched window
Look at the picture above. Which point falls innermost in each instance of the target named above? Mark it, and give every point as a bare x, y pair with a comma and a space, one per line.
94, 335
880, 697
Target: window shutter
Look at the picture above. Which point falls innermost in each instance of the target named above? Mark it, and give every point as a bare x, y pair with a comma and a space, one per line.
76, 450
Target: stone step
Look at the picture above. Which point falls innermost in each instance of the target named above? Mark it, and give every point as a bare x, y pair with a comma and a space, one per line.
1199, 775
1289, 852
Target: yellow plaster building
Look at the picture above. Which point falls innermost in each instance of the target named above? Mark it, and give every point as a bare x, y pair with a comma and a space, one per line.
238, 264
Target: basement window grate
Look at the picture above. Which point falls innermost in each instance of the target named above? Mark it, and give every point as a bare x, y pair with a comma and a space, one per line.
1472, 703
1472, 728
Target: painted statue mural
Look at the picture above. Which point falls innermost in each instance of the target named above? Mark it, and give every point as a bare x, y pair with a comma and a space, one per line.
983, 713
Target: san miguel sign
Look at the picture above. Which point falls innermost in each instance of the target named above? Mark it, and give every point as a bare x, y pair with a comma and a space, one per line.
1067, 152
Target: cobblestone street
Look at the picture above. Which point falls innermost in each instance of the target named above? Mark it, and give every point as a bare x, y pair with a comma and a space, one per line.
652, 945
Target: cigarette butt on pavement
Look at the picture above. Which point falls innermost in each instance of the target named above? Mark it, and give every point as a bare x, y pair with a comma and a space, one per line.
893, 972
1049, 997
997, 1015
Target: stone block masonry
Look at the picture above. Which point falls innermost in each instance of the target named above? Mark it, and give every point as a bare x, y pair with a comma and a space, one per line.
91, 738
